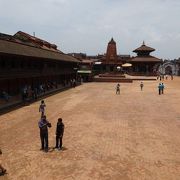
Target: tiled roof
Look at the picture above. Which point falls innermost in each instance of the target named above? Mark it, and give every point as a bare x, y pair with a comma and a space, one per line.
144, 48
145, 59
8, 47
37, 42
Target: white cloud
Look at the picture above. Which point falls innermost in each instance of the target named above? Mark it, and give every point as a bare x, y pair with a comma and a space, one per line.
87, 26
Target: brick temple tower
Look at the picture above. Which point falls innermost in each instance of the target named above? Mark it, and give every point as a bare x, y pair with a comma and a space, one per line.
111, 53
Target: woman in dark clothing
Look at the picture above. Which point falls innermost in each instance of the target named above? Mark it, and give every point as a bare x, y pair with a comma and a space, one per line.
59, 133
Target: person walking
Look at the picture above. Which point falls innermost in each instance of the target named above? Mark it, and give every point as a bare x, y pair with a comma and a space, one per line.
42, 108
162, 88
59, 133
141, 85
171, 76
118, 88
44, 124
159, 88
166, 77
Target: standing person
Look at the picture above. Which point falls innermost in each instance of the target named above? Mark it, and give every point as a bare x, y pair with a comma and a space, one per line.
159, 88
141, 85
43, 126
2, 169
74, 83
171, 77
35, 93
42, 108
163, 77
59, 133
162, 88
118, 88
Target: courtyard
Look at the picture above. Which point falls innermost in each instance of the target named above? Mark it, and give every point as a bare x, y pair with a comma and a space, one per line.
131, 136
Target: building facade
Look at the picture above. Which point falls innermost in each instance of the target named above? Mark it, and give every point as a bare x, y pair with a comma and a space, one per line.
29, 61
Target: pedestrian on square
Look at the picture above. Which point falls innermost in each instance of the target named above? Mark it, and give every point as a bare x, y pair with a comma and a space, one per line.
2, 169
166, 77
171, 77
44, 124
162, 88
159, 88
59, 133
42, 108
163, 77
74, 83
118, 88
141, 85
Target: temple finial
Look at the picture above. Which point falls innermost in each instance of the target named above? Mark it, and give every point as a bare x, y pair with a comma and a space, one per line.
143, 43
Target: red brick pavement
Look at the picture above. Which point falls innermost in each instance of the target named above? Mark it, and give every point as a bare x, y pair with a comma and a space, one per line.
131, 136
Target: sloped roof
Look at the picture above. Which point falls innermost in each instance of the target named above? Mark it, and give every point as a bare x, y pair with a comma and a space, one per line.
8, 47
145, 59
26, 38
143, 47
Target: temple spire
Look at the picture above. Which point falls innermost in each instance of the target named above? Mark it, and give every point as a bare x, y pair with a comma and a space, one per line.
143, 43
111, 53
112, 40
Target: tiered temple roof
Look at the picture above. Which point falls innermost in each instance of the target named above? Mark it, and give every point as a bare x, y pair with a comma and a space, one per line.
143, 54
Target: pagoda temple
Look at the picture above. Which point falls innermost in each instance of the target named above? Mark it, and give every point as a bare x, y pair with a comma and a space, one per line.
144, 63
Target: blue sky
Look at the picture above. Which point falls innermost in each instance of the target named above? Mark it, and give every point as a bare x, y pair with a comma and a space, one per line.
87, 25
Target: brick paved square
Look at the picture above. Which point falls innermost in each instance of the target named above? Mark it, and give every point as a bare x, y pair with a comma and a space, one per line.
131, 136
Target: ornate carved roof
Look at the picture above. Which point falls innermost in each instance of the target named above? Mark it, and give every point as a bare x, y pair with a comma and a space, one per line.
143, 48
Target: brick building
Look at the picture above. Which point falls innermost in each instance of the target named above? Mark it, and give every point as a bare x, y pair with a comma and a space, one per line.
26, 60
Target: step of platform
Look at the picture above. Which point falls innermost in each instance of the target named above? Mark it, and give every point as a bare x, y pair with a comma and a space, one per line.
110, 79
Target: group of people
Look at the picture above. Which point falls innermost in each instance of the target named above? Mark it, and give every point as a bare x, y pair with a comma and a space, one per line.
44, 124
29, 92
162, 77
161, 88
118, 87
